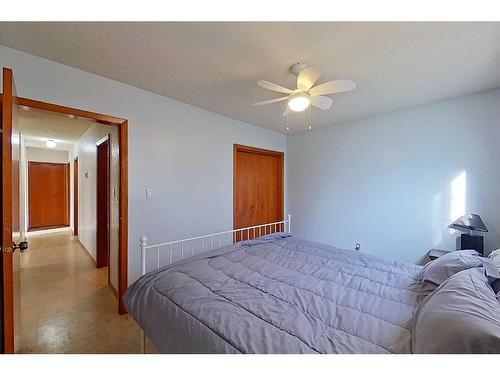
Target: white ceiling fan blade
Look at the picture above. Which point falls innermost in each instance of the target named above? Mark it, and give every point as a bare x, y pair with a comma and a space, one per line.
308, 77
333, 87
322, 102
271, 101
273, 87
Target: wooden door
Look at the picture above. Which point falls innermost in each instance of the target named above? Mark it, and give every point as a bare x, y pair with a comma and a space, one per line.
75, 197
257, 188
48, 195
11, 225
103, 206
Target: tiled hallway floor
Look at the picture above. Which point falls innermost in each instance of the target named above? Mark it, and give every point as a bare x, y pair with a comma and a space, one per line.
66, 303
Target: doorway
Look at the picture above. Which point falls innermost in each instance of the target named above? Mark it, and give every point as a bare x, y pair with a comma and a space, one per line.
122, 188
10, 104
258, 187
75, 197
103, 217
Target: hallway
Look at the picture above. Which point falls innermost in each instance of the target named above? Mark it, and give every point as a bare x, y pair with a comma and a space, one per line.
66, 303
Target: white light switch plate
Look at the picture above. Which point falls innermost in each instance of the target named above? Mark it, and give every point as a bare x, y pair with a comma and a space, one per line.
149, 193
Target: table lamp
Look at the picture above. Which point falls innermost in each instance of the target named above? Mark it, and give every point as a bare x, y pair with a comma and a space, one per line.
470, 223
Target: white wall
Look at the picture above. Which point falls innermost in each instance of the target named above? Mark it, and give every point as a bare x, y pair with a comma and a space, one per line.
23, 183
184, 153
47, 155
86, 150
395, 181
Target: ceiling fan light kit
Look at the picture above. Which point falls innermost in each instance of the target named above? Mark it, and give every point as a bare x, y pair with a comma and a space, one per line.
306, 95
299, 101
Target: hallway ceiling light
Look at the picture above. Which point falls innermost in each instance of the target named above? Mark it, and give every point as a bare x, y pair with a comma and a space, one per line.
51, 143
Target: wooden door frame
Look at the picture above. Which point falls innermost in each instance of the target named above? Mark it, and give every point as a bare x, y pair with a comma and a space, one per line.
66, 195
281, 175
75, 196
8, 277
122, 125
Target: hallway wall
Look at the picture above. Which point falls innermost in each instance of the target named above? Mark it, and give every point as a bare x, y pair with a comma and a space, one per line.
86, 150
47, 155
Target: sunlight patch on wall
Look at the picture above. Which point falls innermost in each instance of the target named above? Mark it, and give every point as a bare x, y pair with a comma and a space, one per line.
458, 196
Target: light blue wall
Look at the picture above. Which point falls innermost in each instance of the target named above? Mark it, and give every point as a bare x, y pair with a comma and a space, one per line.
385, 182
183, 152
394, 182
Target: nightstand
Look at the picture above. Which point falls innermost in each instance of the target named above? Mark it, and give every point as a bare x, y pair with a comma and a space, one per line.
436, 253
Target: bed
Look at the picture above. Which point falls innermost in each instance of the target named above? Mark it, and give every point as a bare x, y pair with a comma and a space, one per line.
274, 293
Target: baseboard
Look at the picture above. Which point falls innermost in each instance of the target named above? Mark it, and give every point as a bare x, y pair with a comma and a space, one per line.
43, 232
36, 229
113, 290
87, 252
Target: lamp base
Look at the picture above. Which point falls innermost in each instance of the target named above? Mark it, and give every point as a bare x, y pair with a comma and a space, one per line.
468, 242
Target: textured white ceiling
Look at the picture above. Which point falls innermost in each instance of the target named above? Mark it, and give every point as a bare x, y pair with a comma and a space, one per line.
216, 65
39, 126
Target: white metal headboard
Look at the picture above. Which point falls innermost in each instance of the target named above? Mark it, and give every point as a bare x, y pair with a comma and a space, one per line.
181, 249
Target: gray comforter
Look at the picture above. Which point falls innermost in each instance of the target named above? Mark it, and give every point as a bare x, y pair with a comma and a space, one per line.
277, 294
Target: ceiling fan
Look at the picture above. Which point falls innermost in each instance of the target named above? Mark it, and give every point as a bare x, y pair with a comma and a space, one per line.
305, 94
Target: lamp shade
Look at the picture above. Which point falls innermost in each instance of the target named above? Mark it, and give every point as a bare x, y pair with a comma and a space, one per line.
469, 222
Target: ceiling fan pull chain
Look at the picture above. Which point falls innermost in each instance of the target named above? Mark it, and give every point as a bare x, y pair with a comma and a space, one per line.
310, 118
287, 128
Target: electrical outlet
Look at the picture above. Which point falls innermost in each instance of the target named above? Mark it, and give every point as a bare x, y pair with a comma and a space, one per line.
149, 193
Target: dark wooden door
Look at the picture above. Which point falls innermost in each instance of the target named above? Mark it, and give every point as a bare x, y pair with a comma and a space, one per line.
75, 197
103, 186
48, 195
257, 188
10, 217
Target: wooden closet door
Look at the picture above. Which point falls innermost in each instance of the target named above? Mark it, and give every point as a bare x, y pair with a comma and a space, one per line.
48, 195
267, 190
246, 175
257, 188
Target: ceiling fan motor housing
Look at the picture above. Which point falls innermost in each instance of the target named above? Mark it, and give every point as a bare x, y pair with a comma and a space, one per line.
298, 67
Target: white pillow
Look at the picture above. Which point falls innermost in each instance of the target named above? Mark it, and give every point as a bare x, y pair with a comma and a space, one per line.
495, 257
461, 316
439, 270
